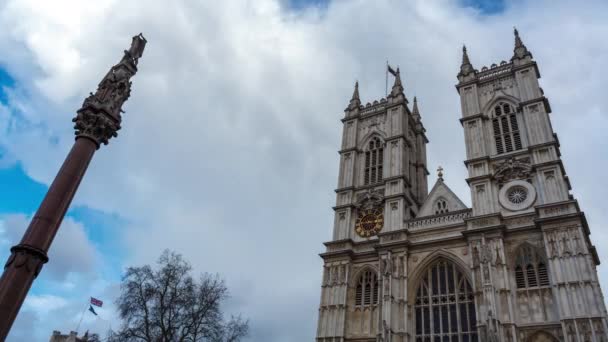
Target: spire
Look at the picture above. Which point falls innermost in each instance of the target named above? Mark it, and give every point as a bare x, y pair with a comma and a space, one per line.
415, 111
466, 67
518, 42
356, 92
355, 102
520, 50
397, 86
465, 56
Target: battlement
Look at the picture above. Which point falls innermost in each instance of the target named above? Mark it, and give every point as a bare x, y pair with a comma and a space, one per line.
521, 56
494, 70
373, 107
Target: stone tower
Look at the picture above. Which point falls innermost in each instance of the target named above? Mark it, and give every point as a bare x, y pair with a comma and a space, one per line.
383, 155
407, 265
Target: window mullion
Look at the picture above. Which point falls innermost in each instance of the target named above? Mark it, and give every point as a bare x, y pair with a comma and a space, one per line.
457, 304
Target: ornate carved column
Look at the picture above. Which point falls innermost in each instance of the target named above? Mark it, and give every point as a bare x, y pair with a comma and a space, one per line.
95, 123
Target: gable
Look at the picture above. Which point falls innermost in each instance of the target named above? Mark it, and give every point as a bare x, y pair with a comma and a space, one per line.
440, 200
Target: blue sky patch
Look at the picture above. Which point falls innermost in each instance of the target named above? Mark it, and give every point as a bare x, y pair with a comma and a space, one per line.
303, 4
20, 194
6, 81
487, 7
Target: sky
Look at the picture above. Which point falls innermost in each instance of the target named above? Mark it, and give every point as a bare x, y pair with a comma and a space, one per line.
228, 148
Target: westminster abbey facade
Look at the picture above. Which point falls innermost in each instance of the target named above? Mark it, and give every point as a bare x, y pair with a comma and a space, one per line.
409, 265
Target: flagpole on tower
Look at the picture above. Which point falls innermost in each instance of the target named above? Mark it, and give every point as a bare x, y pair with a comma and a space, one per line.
81, 317
386, 79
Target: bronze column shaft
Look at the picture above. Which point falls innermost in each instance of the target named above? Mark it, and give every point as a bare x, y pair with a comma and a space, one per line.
43, 227
27, 258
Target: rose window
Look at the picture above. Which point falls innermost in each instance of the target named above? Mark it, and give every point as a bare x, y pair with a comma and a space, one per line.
517, 194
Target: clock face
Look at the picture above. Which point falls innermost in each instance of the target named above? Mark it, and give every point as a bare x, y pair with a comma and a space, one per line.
369, 222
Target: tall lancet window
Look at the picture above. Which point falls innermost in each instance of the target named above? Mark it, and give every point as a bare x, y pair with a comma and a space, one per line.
373, 162
530, 268
366, 293
506, 129
445, 306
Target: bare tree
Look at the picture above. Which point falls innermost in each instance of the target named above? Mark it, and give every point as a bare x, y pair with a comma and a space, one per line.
168, 305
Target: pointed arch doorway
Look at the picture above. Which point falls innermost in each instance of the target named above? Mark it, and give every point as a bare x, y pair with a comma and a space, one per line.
444, 306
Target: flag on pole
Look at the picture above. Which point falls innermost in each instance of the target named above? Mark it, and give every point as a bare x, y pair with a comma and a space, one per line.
92, 310
96, 302
391, 70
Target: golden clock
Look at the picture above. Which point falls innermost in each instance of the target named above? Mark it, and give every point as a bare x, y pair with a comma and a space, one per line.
369, 222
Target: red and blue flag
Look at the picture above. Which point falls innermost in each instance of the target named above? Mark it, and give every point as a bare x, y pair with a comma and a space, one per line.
96, 302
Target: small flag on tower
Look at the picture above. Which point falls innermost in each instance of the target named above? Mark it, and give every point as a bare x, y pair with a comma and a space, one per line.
96, 302
391, 70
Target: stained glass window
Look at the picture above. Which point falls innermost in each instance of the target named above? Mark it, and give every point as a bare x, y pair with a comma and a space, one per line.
444, 307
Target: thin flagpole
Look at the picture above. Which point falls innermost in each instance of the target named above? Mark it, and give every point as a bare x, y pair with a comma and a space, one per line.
386, 79
81, 317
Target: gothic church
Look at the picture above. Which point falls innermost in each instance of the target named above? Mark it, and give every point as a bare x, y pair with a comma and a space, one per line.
406, 264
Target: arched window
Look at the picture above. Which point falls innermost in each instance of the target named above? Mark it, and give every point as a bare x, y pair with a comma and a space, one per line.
441, 206
445, 307
366, 293
506, 129
373, 162
530, 268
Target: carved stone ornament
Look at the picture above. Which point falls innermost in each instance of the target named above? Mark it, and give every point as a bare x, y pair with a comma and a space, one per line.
99, 117
498, 260
513, 169
475, 256
387, 266
552, 247
486, 253
370, 199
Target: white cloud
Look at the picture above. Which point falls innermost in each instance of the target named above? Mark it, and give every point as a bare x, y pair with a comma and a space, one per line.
44, 303
227, 152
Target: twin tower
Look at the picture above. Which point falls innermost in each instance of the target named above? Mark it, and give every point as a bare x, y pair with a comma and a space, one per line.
406, 264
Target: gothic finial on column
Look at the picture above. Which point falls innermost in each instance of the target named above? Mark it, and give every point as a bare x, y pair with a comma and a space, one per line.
440, 173
520, 50
99, 117
465, 67
415, 111
355, 101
